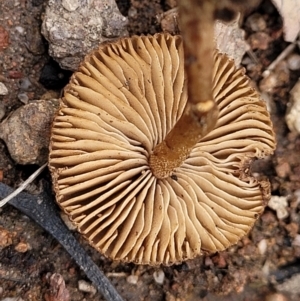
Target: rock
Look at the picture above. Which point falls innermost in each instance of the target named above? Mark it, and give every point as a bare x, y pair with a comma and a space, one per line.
132, 279
279, 204
256, 22
26, 131
74, 28
86, 287
4, 38
57, 290
5, 238
259, 40
22, 247
292, 117
293, 62
3, 89
34, 41
262, 246
159, 276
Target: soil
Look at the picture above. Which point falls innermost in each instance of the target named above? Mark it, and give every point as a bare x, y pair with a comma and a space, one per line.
262, 266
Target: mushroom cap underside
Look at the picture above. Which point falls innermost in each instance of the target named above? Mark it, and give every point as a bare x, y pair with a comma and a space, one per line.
123, 101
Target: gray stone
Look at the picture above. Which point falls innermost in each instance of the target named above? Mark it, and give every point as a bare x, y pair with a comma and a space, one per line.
26, 131
74, 28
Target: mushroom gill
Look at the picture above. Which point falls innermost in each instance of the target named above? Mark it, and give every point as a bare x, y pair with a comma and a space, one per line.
123, 101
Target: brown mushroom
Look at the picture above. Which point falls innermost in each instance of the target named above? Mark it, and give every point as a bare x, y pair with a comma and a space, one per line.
121, 103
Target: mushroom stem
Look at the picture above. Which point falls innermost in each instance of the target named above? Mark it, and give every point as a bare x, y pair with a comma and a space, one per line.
196, 18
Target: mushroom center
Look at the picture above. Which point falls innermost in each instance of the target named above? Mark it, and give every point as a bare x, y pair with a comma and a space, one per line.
195, 122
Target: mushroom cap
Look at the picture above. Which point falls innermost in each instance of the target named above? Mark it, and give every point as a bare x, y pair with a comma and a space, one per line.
123, 100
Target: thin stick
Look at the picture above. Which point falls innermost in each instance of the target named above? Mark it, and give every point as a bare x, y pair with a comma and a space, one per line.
23, 185
288, 50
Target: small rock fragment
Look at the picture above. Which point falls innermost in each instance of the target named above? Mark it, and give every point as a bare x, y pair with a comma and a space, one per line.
159, 276
256, 22
290, 285
26, 131
296, 241
262, 246
259, 40
70, 5
283, 169
279, 204
74, 28
132, 279
23, 97
4, 38
22, 247
293, 62
3, 89
86, 287
5, 238
58, 290
293, 113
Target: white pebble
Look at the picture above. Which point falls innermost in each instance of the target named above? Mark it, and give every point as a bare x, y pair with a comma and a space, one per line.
279, 204
292, 116
86, 287
3, 89
70, 5
132, 279
20, 29
293, 61
159, 276
296, 241
262, 246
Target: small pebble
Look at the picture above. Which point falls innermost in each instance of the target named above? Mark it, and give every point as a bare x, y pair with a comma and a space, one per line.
5, 238
23, 97
132, 279
293, 62
296, 241
22, 247
283, 169
292, 115
70, 5
25, 84
159, 276
262, 246
20, 29
4, 38
259, 40
3, 89
256, 22
279, 204
86, 287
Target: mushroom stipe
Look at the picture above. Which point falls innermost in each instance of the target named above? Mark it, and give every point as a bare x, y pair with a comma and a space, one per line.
122, 102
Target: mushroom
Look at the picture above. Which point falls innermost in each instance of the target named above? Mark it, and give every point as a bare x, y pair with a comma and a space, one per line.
119, 106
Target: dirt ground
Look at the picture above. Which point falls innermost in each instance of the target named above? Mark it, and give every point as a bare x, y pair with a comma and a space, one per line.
261, 266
